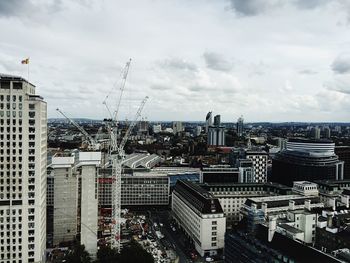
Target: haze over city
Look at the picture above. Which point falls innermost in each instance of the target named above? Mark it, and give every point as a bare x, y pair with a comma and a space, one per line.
268, 60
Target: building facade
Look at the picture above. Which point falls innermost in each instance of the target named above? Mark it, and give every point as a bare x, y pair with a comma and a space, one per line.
259, 159
232, 196
306, 160
219, 174
200, 215
23, 146
216, 136
62, 180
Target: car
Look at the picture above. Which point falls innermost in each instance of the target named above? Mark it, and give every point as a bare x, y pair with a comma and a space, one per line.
209, 259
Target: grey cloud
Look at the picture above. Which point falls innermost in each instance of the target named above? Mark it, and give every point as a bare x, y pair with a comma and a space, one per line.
341, 64
249, 7
199, 88
255, 7
310, 4
217, 62
340, 85
308, 72
160, 87
178, 64
19, 8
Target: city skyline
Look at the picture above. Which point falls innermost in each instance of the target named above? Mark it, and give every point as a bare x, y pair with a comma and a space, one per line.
268, 61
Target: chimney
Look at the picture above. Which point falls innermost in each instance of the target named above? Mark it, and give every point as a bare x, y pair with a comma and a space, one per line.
329, 220
291, 205
345, 200
332, 203
264, 208
254, 207
307, 205
272, 227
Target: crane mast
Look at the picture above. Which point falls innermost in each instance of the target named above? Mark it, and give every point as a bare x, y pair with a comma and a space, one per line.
118, 155
92, 143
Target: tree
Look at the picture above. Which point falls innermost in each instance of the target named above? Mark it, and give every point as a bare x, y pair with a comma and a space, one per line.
78, 255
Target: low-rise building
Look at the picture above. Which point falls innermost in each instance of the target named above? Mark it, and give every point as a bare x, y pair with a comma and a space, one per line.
232, 196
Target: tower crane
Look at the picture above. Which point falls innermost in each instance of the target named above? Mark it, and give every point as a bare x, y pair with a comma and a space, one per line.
118, 156
124, 74
92, 143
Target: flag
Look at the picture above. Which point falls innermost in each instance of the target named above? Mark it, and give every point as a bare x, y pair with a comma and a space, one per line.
25, 61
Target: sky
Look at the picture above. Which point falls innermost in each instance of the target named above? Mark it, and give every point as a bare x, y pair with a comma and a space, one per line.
268, 60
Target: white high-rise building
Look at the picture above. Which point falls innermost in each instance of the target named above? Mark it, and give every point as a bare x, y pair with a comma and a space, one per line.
23, 146
63, 192
89, 162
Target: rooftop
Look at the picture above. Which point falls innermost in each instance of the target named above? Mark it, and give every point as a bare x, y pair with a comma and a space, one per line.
291, 229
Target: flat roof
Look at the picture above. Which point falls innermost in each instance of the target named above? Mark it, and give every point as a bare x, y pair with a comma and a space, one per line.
291, 229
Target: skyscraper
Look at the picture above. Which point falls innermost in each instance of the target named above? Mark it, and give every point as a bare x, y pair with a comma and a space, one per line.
177, 127
240, 127
217, 120
316, 133
208, 121
23, 146
216, 136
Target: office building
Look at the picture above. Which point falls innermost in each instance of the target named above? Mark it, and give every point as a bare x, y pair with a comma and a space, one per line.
178, 173
244, 247
139, 189
23, 146
246, 171
243, 158
259, 159
219, 174
306, 160
157, 128
200, 215
198, 130
316, 133
331, 191
62, 200
327, 132
240, 126
333, 229
89, 163
208, 121
177, 127
232, 196
143, 126
216, 136
217, 120
343, 152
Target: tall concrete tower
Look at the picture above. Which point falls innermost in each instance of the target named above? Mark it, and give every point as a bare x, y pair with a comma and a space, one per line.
23, 146
240, 126
208, 121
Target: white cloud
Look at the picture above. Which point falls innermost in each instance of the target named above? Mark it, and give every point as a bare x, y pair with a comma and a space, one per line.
188, 56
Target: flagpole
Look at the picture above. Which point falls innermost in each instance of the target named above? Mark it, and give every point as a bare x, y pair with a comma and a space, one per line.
28, 70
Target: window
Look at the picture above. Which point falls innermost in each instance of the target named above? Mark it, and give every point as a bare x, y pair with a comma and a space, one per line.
213, 244
214, 222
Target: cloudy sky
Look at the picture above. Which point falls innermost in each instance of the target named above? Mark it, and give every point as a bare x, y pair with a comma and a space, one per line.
268, 60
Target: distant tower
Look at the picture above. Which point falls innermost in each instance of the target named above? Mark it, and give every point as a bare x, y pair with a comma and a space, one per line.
327, 132
240, 127
316, 133
217, 121
208, 121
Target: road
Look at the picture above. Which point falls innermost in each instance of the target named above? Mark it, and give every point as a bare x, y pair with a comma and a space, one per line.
172, 237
